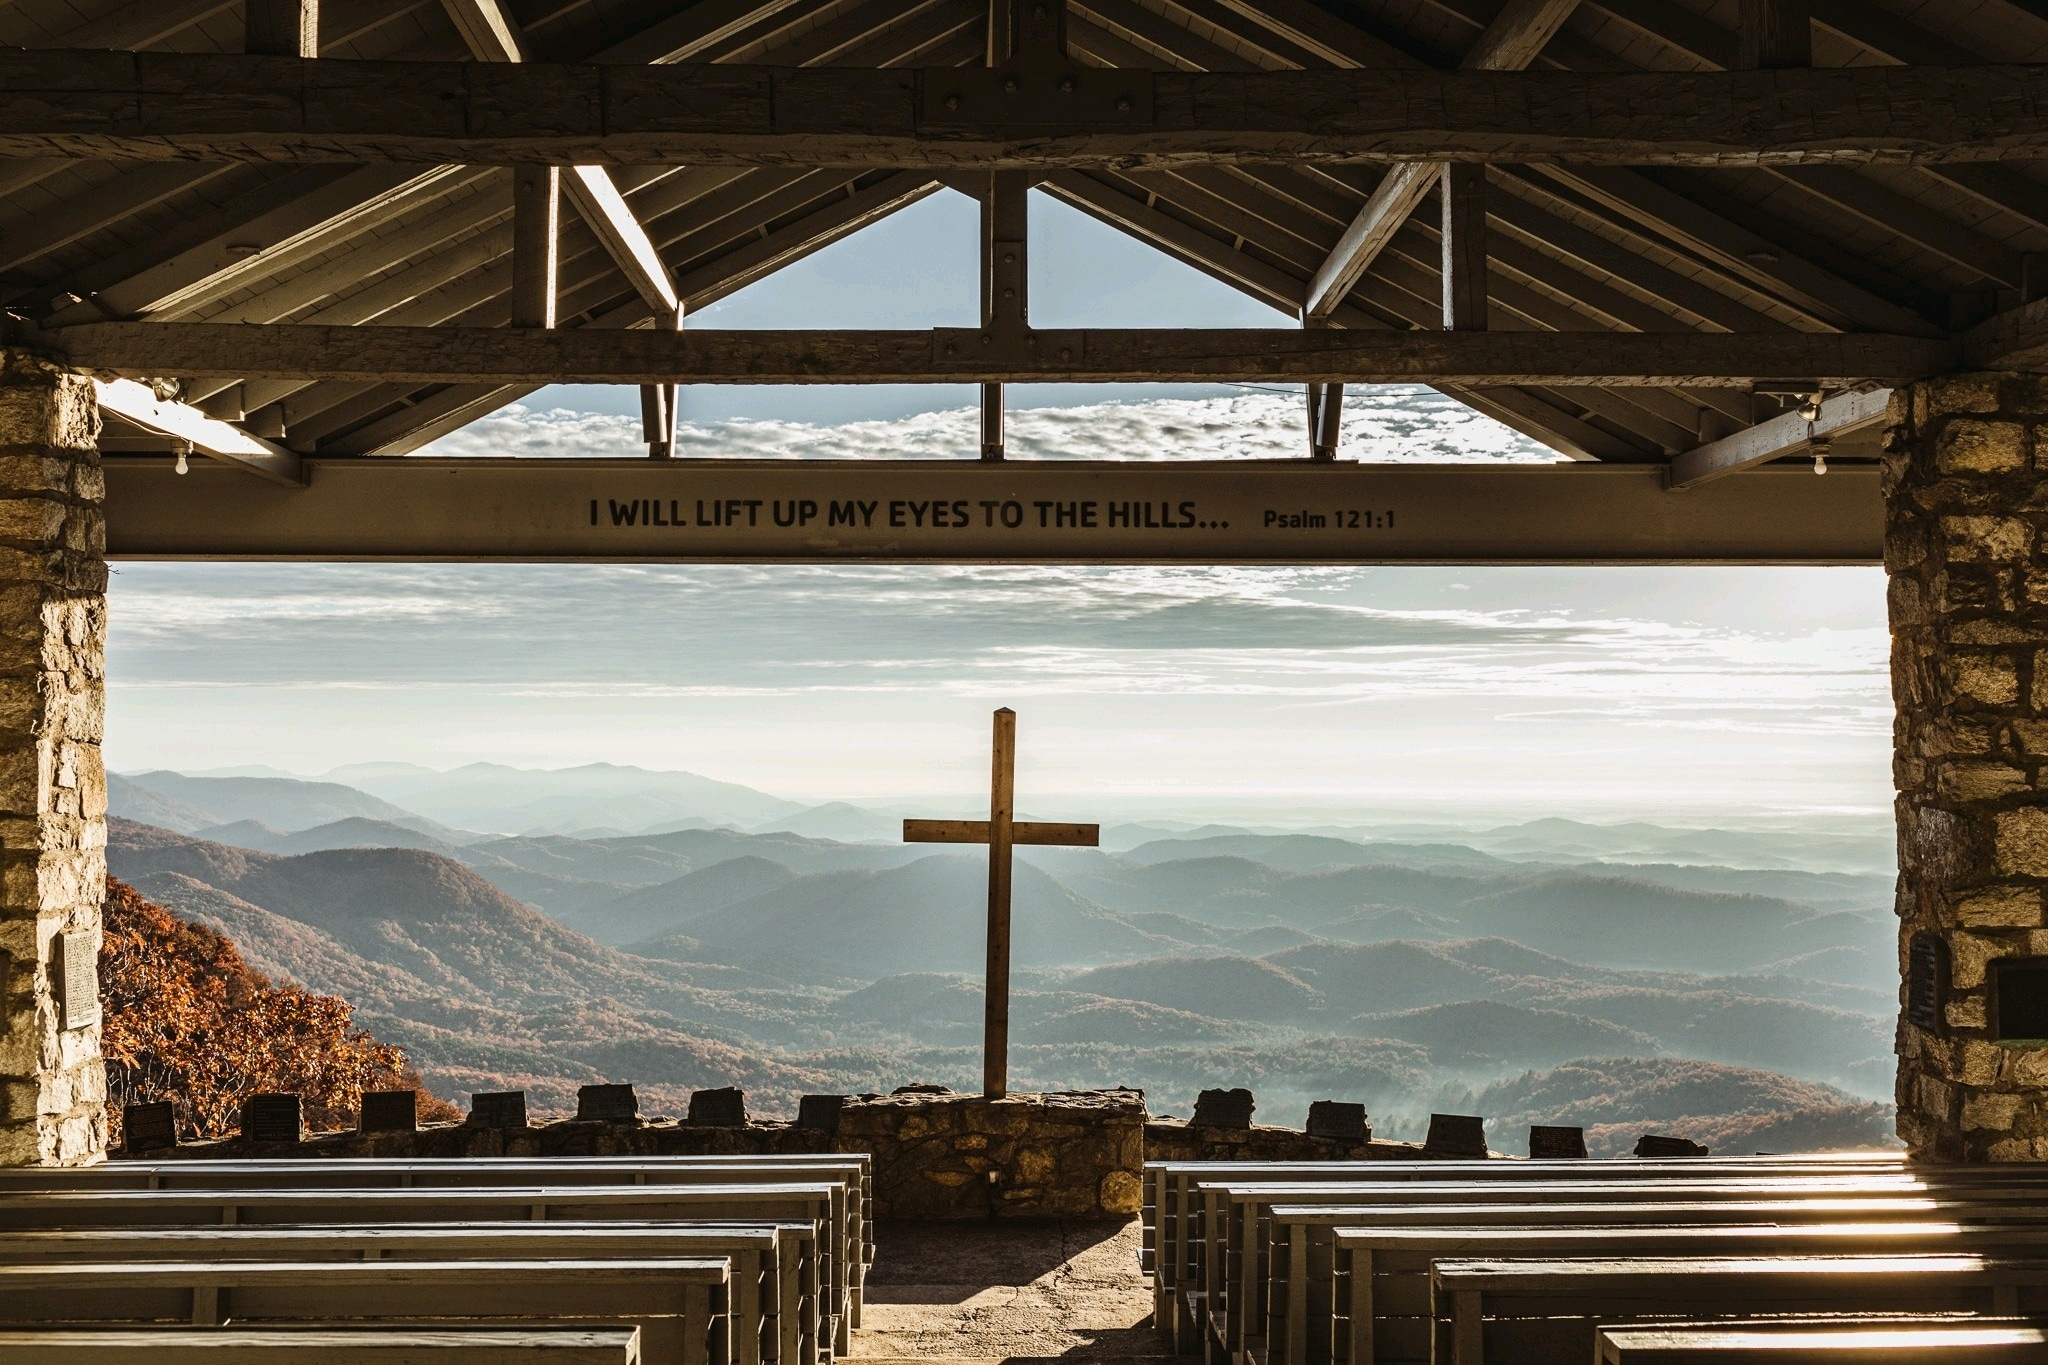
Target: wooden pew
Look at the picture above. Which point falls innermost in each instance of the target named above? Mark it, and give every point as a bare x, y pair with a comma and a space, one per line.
1807, 1342
1545, 1312
774, 1298
1176, 1192
1169, 1185
678, 1305
853, 1170
812, 1203
1381, 1282
323, 1346
1236, 1221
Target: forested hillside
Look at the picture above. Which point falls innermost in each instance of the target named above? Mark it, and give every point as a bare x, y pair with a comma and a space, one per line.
1411, 974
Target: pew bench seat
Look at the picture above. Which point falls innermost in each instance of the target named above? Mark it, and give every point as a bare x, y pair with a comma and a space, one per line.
678, 1305
1545, 1312
1827, 1342
320, 1346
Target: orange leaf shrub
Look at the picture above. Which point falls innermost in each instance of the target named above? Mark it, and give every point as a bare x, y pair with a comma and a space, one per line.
187, 1020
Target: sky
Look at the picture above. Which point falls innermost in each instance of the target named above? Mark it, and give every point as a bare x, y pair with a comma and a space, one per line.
1689, 695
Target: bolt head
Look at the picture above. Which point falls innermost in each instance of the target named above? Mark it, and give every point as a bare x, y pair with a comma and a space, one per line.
953, 101
1066, 85
1009, 85
1123, 104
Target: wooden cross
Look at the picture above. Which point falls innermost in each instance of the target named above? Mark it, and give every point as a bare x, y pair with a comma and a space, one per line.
1000, 831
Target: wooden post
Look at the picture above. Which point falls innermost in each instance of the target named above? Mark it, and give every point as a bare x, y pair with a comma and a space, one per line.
995, 1041
1775, 34
1329, 422
282, 28
1005, 295
1462, 188
536, 233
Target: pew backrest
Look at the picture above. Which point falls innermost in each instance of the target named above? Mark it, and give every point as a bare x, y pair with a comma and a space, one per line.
349, 1346
1809, 1342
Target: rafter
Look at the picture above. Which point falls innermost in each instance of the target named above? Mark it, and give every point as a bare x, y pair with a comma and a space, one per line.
1780, 436
139, 404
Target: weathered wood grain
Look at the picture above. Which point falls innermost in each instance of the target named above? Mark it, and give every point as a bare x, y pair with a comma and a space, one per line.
259, 108
458, 355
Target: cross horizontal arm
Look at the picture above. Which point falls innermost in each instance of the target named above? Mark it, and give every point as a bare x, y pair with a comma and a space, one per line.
465, 355
1021, 832
176, 106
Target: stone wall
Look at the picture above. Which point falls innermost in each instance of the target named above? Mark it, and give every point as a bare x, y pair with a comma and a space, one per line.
53, 789
935, 1155
1965, 508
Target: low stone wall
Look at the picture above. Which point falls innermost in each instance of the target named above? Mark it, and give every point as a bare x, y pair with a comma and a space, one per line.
936, 1156
1179, 1140
1072, 1155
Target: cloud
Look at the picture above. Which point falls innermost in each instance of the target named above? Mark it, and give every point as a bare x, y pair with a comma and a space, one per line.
1388, 424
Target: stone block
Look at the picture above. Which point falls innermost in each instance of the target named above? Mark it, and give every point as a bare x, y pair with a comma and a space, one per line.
497, 1109
1120, 1191
1966, 1012
1224, 1109
1338, 1121
2020, 842
1986, 781
724, 1107
1981, 539
2000, 907
1967, 446
1456, 1135
1987, 679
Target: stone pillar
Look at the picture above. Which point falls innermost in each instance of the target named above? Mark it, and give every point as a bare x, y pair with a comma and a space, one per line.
53, 788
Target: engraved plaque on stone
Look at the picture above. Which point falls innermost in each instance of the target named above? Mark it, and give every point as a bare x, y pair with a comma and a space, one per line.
497, 1109
149, 1127
1339, 1122
607, 1104
820, 1113
1224, 1109
1456, 1135
389, 1111
725, 1107
271, 1118
75, 965
1556, 1142
1658, 1145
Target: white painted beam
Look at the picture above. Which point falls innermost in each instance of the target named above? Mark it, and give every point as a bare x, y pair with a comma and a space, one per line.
1510, 43
208, 436
1780, 436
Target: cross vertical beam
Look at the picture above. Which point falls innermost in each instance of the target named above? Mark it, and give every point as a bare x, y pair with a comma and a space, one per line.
1462, 187
1775, 34
1002, 802
282, 28
536, 238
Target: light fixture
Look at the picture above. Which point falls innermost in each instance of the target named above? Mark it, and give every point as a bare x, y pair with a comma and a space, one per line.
184, 449
1820, 454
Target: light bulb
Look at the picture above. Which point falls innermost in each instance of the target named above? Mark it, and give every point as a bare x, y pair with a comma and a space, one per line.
183, 451
1820, 461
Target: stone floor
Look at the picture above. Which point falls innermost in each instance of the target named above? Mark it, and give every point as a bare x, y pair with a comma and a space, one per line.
1007, 1291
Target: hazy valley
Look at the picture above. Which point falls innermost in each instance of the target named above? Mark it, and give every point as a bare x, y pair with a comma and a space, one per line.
678, 932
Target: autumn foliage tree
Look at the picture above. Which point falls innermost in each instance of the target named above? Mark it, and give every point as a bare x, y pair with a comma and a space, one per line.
187, 1020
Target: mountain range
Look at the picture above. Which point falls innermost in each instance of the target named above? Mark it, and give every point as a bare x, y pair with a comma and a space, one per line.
1404, 973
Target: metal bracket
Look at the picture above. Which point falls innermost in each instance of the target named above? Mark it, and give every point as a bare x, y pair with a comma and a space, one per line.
1035, 89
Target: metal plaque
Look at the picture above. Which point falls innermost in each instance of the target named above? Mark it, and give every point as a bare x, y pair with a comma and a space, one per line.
1456, 1135
151, 1127
1338, 1122
607, 1104
271, 1118
1224, 1109
498, 1109
820, 1113
725, 1107
389, 1111
76, 962
1556, 1142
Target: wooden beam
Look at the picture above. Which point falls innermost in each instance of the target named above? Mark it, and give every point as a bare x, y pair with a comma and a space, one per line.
1021, 832
462, 355
181, 422
1780, 436
536, 244
146, 106
511, 510
1509, 43
493, 35
1462, 189
282, 28
1774, 34
2012, 340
